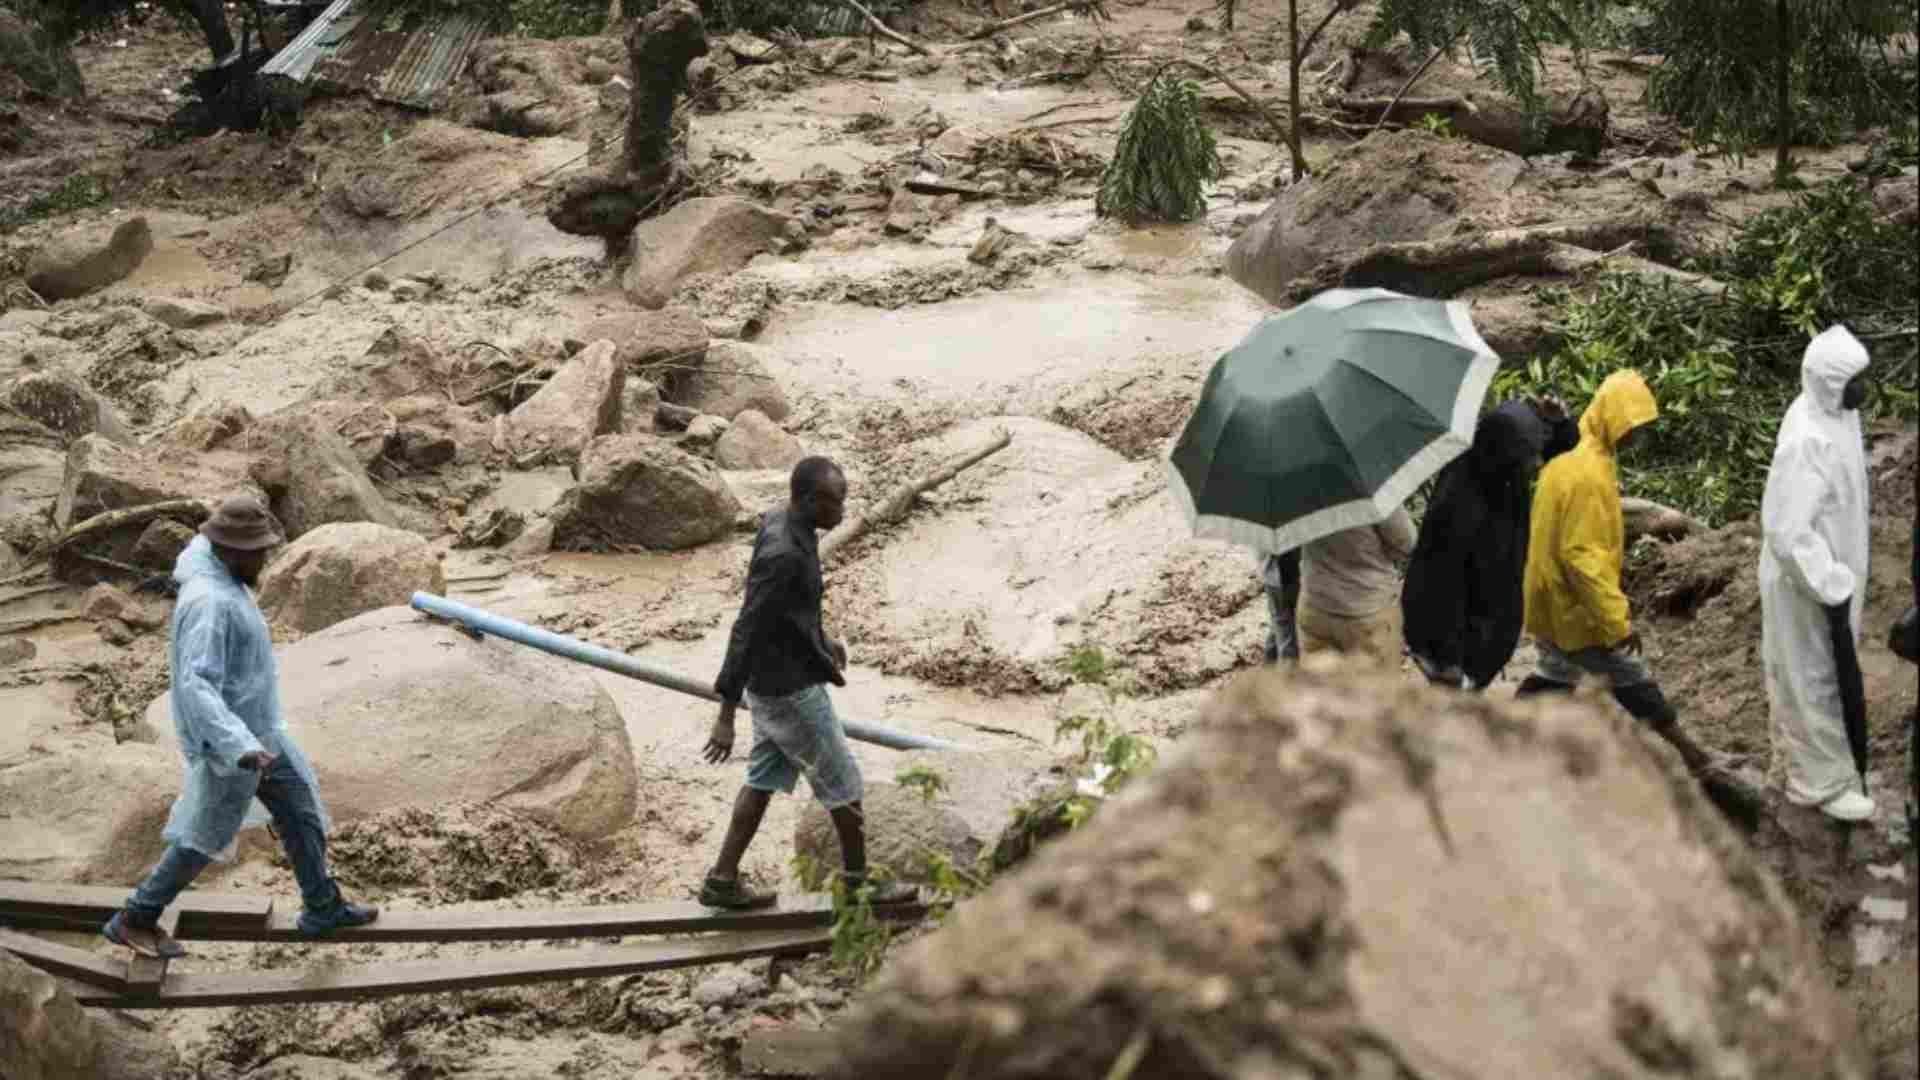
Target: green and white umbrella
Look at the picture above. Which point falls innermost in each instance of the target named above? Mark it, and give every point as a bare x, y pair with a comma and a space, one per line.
1326, 417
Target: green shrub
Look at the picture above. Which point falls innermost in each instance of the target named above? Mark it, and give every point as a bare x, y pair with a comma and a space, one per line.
1163, 160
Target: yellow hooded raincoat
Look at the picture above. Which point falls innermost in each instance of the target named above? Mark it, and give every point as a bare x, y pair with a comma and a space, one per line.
1578, 537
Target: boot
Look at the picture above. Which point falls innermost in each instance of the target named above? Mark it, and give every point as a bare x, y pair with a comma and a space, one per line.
338, 914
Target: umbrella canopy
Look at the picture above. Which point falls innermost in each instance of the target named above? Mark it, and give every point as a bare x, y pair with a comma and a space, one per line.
1328, 416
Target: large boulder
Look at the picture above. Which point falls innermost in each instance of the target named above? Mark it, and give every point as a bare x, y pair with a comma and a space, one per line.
73, 268
89, 816
904, 833
1345, 875
717, 233
639, 489
65, 404
672, 335
580, 401
311, 473
1403, 186
754, 442
102, 475
733, 378
397, 710
46, 1035
340, 570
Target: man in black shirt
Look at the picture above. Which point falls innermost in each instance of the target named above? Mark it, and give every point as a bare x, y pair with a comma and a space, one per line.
782, 658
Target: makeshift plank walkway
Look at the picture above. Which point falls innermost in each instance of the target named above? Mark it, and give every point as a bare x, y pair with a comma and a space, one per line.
797, 925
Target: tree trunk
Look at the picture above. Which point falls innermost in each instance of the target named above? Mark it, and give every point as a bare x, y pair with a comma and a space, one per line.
1783, 90
895, 505
609, 204
1293, 90
211, 15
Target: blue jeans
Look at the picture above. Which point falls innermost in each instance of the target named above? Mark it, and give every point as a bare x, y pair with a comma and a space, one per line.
296, 818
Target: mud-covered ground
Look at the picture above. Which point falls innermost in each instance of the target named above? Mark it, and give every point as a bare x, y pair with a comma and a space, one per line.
1087, 342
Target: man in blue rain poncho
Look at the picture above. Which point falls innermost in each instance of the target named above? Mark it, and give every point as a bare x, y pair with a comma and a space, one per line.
1813, 578
226, 713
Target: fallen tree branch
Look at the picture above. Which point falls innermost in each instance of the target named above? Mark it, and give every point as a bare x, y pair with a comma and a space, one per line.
895, 506
991, 29
1568, 259
1644, 517
1415, 77
885, 31
189, 512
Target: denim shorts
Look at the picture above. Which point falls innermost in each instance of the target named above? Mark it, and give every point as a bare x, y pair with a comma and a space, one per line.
799, 733
1617, 666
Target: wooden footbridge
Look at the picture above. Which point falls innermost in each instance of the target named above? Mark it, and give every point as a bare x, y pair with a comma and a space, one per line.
798, 925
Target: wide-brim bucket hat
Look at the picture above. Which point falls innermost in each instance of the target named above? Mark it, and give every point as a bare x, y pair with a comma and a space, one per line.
243, 524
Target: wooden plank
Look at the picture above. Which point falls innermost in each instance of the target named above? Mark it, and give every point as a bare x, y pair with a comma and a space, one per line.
184, 990
41, 903
87, 967
795, 912
145, 973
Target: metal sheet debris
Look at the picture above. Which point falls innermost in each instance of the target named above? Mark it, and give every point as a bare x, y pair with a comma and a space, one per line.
366, 46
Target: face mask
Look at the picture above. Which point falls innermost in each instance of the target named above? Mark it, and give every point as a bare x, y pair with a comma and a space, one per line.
1855, 394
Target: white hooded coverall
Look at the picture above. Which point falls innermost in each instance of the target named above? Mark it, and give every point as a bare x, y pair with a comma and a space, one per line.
1814, 515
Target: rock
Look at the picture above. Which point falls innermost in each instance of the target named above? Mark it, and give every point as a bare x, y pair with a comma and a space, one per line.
529, 492
92, 817
534, 541
307, 1067
716, 233
64, 404
376, 281
1898, 198
184, 314
15, 650
115, 632
160, 544
1515, 325
754, 442
104, 601
72, 269
46, 1035
311, 474
340, 570
1237, 903
995, 238
209, 427
957, 143
724, 988
674, 417
580, 401
638, 489
409, 290
704, 431
908, 212
375, 698
639, 407
903, 829
733, 377
645, 337
101, 476
272, 270
1391, 188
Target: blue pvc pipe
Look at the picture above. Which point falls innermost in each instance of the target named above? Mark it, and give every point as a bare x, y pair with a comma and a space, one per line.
499, 626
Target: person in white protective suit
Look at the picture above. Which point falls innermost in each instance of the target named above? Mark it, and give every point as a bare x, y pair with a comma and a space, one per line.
226, 713
1813, 577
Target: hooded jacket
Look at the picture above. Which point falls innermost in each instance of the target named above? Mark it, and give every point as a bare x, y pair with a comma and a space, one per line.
1577, 539
225, 701
1462, 604
1814, 517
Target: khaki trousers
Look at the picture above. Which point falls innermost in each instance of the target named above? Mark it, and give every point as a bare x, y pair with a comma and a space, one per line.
1375, 636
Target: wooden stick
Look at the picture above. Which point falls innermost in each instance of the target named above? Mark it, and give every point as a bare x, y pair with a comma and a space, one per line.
991, 29
886, 31
895, 506
194, 509
1415, 77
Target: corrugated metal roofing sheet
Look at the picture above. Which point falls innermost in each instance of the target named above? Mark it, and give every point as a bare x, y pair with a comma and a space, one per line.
358, 50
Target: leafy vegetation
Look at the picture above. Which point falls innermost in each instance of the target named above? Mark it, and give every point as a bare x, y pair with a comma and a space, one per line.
1725, 369
77, 192
1738, 71
1164, 158
928, 782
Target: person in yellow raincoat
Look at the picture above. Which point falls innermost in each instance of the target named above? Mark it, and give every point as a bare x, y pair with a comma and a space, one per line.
1575, 609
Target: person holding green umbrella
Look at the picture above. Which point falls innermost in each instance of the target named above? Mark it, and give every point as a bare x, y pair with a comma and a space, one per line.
1323, 420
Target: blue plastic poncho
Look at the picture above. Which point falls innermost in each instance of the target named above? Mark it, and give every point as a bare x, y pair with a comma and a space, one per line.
225, 703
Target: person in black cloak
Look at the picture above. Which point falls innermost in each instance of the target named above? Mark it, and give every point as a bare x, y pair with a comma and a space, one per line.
1462, 605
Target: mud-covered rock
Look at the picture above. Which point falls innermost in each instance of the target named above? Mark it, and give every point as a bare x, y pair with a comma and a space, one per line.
455, 854
92, 817
403, 711
715, 233
754, 442
185, 313
46, 1035
311, 475
208, 427
1403, 186
159, 544
340, 570
644, 337
103, 476
639, 407
734, 377
65, 404
73, 268
1334, 874
703, 431
580, 401
638, 489
904, 833
104, 601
